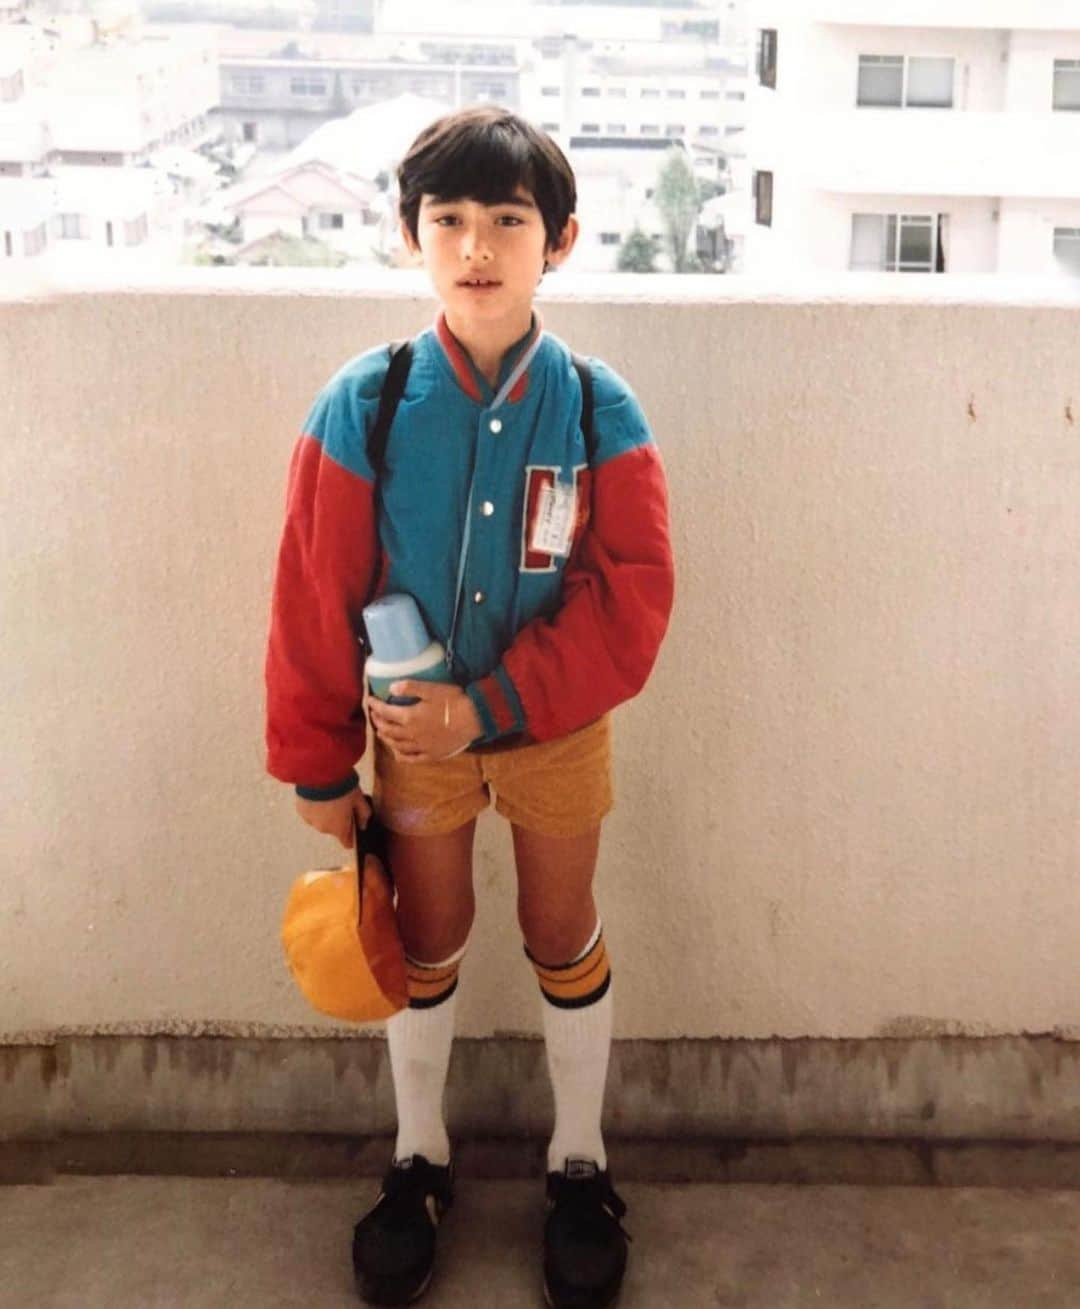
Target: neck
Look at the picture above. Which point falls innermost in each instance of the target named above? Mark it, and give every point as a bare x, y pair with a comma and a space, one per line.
487, 343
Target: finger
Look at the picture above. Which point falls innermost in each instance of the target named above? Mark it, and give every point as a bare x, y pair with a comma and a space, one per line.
395, 736
419, 690
390, 713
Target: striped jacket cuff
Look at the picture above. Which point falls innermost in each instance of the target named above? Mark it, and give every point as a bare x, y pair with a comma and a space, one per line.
498, 705
334, 792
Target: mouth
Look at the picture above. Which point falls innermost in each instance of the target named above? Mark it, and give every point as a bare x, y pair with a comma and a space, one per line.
478, 283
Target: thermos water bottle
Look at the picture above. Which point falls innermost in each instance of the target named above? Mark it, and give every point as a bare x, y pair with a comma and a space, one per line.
400, 647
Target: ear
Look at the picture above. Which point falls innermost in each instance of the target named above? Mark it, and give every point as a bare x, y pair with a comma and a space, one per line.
560, 252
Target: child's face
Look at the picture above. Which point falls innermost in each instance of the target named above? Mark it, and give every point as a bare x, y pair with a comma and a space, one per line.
485, 261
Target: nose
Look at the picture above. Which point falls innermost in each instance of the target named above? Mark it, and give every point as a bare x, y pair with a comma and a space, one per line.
474, 246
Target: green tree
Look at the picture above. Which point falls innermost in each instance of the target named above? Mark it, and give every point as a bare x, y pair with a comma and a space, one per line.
677, 200
637, 254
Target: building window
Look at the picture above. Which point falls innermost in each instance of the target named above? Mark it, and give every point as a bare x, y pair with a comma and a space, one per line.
609, 238
677, 94
589, 92
735, 95
650, 93
897, 243
650, 129
616, 129
551, 127
710, 95
136, 230
766, 57
550, 90
1067, 249
9, 245
34, 240
763, 198
1067, 84
331, 221
307, 85
708, 129
251, 131
496, 91
675, 129
243, 84
617, 92
70, 227
591, 127
894, 82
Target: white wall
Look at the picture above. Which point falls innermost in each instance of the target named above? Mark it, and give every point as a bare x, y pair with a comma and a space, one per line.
1026, 240
848, 798
1030, 78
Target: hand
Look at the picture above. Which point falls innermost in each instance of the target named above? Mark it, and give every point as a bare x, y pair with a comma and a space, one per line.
334, 817
443, 721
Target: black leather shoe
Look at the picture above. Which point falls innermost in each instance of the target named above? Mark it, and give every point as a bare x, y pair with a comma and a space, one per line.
394, 1243
584, 1242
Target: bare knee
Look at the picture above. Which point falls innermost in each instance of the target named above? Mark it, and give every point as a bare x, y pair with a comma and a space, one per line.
556, 933
430, 939
435, 900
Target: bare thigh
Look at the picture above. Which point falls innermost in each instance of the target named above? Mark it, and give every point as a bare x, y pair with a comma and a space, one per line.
433, 876
556, 909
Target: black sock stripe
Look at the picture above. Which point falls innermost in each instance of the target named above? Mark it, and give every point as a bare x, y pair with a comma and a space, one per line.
579, 1002
430, 1001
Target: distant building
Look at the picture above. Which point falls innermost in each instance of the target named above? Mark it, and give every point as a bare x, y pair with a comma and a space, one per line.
934, 136
276, 101
307, 199
96, 128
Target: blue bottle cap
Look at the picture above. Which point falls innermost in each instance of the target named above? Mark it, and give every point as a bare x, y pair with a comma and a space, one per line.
396, 631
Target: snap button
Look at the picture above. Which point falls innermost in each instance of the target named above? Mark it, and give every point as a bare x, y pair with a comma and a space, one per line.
478, 598
487, 508
495, 425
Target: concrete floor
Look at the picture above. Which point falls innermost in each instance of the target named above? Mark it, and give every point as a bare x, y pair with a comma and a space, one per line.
186, 1243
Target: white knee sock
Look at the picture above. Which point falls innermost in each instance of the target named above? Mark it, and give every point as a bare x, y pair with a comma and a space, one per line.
578, 1042
419, 1041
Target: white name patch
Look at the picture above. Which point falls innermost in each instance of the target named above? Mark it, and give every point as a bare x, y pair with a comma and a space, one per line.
553, 526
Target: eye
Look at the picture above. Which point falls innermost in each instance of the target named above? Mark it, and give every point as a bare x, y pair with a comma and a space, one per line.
509, 220
445, 220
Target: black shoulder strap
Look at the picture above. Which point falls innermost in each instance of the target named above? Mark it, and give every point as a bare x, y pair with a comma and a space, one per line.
584, 373
392, 390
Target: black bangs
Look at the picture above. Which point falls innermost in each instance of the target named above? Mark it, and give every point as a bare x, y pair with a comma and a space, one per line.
487, 163
486, 154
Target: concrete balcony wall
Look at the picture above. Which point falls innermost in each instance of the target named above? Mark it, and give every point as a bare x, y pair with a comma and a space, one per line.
847, 797
848, 801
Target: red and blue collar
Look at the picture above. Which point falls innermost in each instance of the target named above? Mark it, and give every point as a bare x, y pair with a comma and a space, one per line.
475, 386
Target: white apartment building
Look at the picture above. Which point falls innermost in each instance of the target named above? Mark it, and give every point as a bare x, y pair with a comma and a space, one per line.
933, 136
83, 104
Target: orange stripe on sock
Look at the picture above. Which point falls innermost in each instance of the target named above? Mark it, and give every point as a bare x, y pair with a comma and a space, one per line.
586, 977
430, 984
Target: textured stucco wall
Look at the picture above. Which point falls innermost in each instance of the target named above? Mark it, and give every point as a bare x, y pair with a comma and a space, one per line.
848, 800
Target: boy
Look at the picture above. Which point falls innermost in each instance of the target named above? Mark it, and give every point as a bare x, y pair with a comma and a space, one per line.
544, 568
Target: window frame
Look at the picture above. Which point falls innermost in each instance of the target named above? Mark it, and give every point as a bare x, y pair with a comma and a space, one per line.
900, 221
763, 197
767, 56
1069, 266
1070, 66
905, 61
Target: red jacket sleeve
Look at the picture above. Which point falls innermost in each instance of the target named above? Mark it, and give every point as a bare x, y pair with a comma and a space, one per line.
598, 649
326, 561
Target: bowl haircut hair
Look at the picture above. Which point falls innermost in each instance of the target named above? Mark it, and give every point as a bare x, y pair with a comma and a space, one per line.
485, 153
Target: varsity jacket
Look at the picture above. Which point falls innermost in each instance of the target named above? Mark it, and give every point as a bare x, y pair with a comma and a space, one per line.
543, 642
